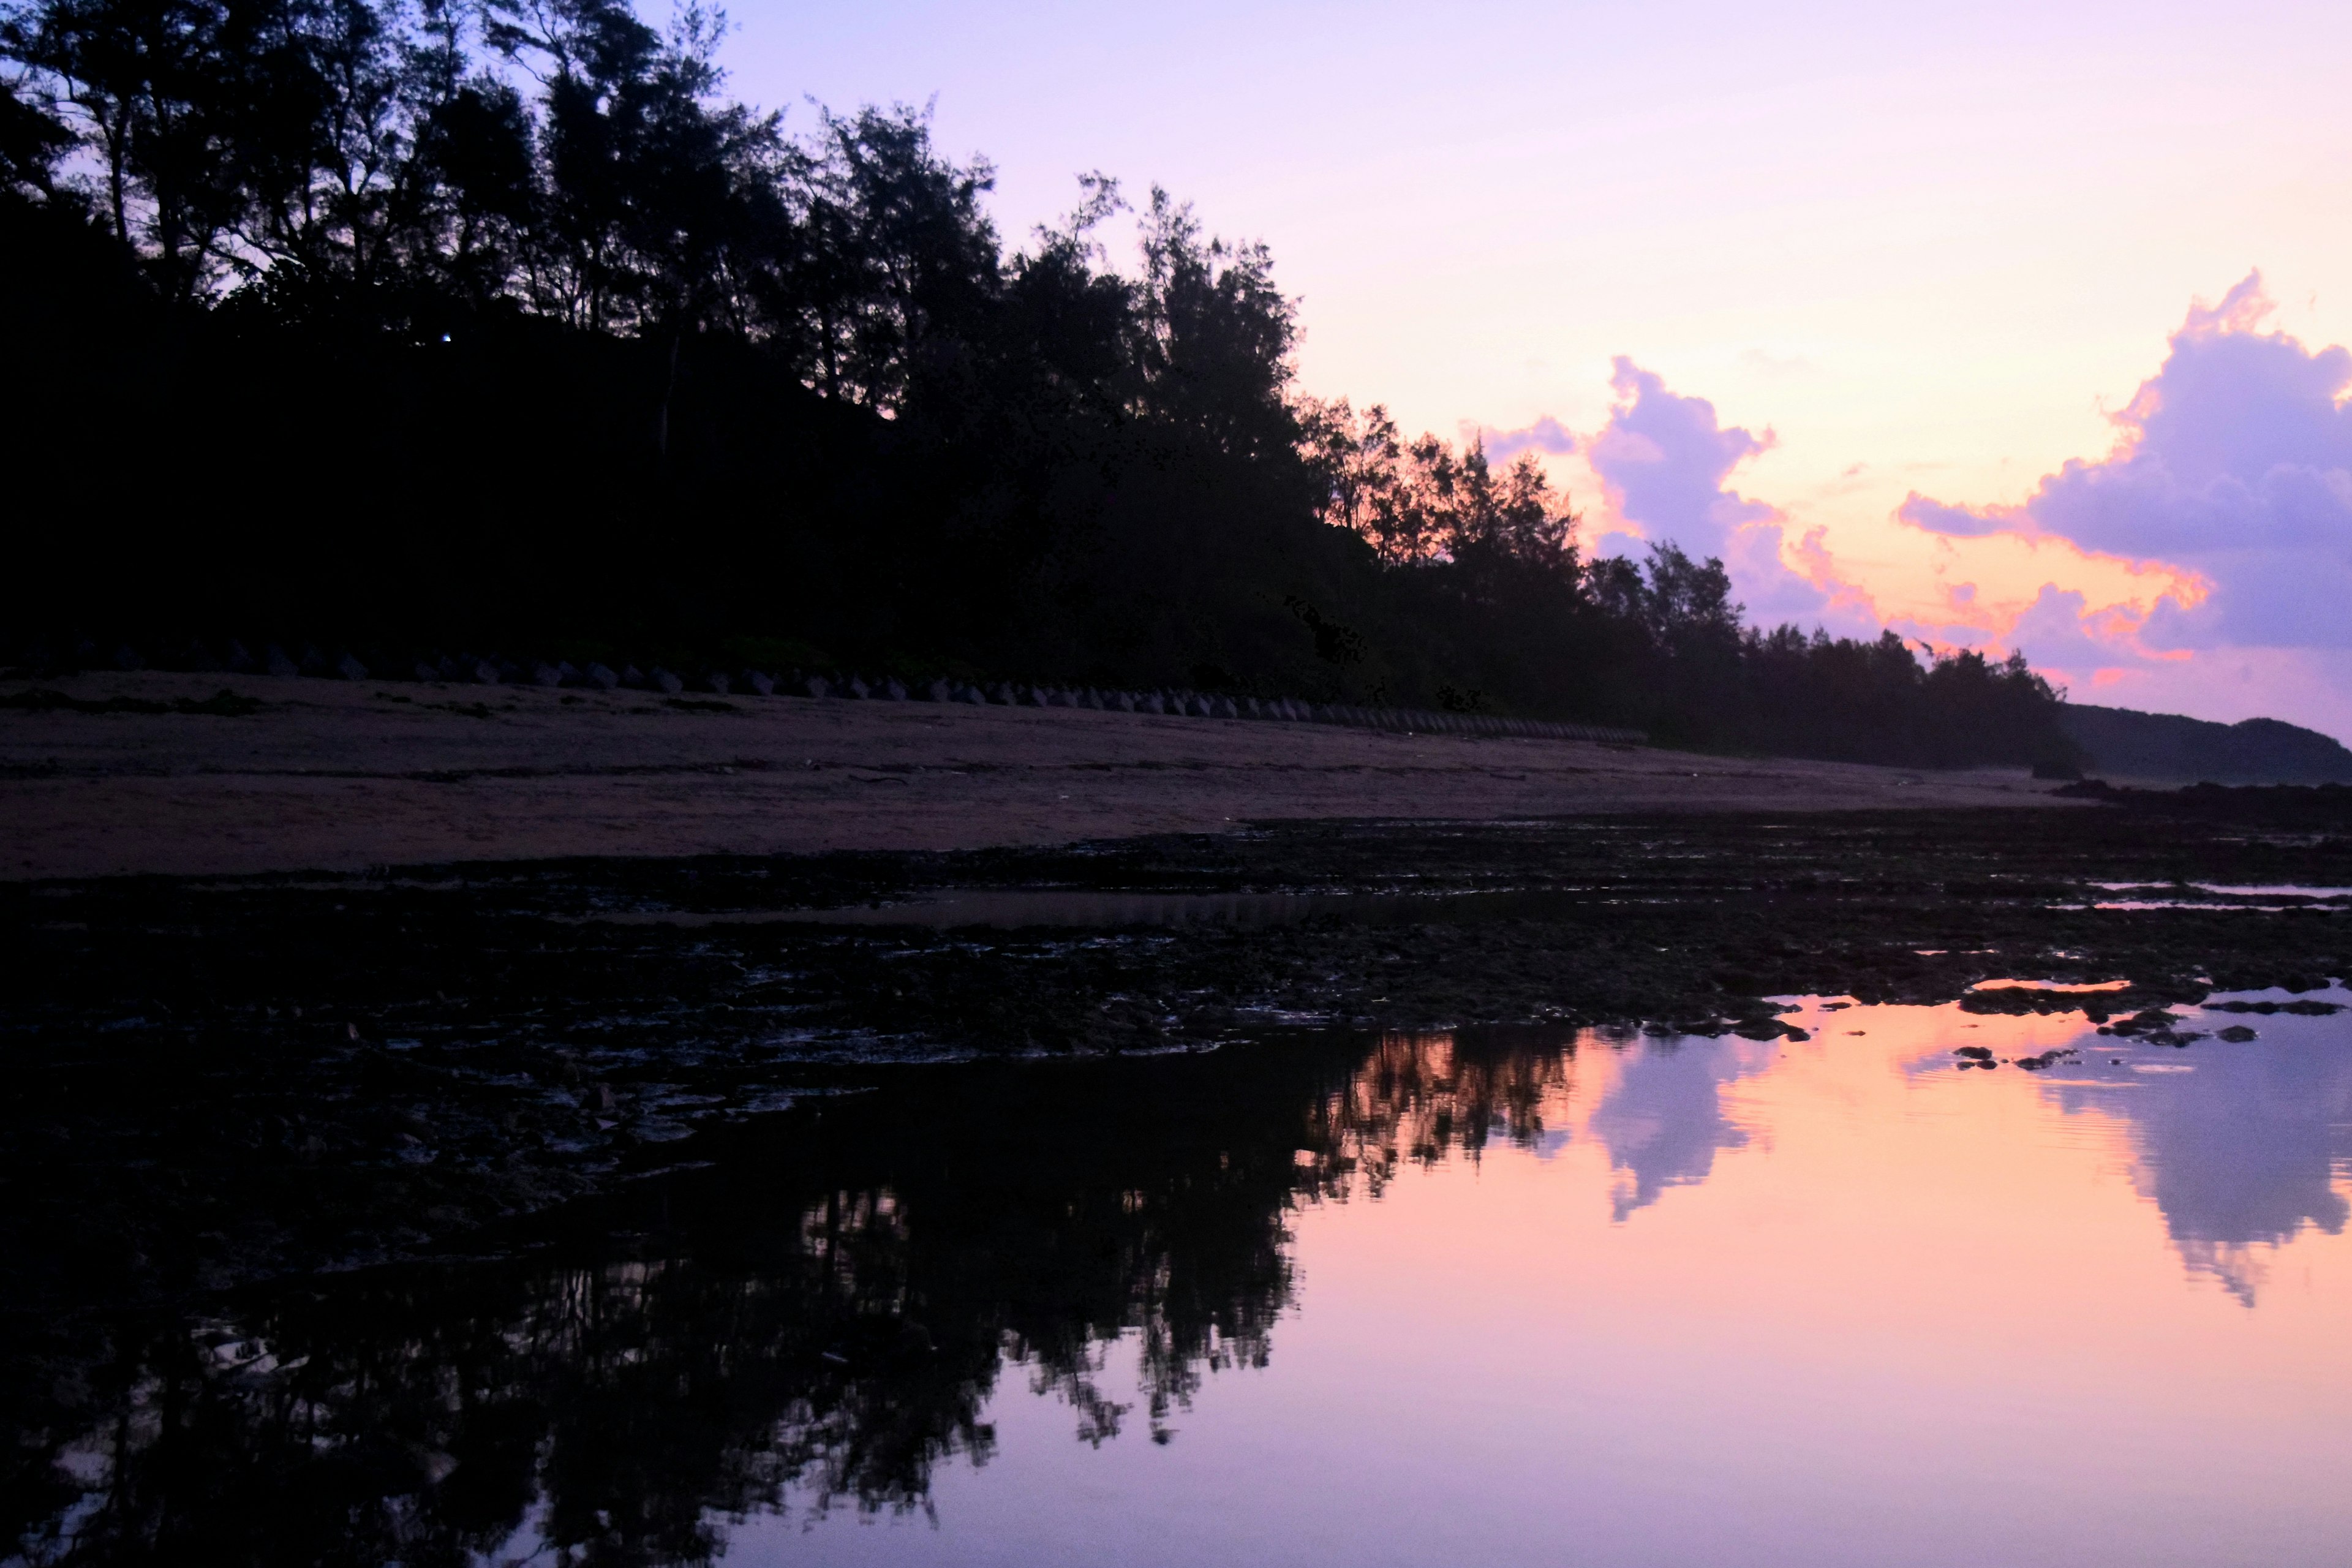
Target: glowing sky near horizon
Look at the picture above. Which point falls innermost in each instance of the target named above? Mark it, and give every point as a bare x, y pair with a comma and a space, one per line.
1907, 250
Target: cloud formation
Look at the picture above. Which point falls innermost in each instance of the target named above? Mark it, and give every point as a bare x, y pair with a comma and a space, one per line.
2234, 463
1546, 434
2058, 632
1666, 461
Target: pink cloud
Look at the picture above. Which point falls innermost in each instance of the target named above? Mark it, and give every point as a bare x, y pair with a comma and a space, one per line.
2234, 465
1666, 458
1666, 461
2057, 632
1959, 521
1546, 434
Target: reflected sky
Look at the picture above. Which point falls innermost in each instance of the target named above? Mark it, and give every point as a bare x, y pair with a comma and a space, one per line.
1664, 1118
1712, 1300
1499, 1296
2242, 1152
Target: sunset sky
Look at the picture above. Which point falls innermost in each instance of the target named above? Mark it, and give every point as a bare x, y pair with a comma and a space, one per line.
1836, 292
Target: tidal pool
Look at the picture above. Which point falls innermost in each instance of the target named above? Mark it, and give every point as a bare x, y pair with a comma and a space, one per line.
1499, 1297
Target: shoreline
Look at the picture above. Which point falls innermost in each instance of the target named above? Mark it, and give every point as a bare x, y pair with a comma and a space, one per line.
336, 776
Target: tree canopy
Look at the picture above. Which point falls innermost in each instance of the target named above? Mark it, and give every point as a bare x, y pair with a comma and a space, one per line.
404, 323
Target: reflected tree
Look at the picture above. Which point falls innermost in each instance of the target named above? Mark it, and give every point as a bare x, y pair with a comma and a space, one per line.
816, 1321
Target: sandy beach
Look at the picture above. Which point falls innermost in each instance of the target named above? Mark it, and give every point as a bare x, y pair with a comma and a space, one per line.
333, 776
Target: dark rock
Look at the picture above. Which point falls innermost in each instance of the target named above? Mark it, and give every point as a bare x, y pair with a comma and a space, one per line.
545, 674
424, 672
603, 676
2302, 1006
633, 678
484, 672
567, 675
894, 689
127, 657
669, 685
1974, 1053
276, 663
856, 687
312, 662
351, 668
817, 686
1223, 707
717, 683
759, 681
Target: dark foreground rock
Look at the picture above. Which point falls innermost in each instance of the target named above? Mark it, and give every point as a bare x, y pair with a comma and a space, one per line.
214, 1082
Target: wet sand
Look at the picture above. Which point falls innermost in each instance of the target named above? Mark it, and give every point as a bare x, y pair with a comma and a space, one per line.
339, 776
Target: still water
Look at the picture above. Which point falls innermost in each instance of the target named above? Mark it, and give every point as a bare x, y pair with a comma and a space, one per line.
1499, 1298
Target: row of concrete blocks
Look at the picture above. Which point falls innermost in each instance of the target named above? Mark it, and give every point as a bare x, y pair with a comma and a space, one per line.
275, 660
1199, 705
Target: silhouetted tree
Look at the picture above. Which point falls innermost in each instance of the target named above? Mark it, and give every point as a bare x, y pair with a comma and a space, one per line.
400, 322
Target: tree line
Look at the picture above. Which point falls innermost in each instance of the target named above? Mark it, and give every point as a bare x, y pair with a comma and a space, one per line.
501, 324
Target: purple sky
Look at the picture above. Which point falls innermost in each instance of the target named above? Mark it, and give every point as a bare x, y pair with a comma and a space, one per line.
1893, 306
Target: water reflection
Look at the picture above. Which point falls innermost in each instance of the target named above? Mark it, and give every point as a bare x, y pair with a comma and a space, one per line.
1663, 1120
2242, 1152
1416, 1099
834, 1310
822, 1315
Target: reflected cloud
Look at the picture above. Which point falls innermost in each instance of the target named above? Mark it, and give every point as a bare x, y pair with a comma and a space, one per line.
1664, 1122
2244, 1152
819, 1320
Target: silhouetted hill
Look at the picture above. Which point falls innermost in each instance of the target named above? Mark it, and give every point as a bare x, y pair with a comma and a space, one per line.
2126, 744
